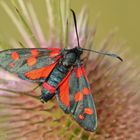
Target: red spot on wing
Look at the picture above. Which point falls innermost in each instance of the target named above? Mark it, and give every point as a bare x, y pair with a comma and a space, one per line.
88, 111
41, 72
64, 91
79, 72
31, 61
78, 97
81, 117
49, 87
15, 56
34, 52
54, 53
53, 49
11, 65
84, 73
86, 91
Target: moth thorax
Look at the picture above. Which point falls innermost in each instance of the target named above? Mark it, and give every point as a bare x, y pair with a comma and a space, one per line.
69, 59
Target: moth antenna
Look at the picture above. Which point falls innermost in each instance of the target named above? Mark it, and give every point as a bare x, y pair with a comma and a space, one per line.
75, 24
105, 53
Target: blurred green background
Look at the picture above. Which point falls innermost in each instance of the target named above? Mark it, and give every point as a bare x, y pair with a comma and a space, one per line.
121, 14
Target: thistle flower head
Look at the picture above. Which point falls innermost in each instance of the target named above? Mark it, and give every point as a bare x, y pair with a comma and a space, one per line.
114, 85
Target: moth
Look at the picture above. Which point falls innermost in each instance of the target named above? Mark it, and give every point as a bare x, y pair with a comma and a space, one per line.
60, 73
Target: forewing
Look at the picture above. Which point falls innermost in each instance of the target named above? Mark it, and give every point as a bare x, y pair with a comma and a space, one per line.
74, 97
81, 101
33, 64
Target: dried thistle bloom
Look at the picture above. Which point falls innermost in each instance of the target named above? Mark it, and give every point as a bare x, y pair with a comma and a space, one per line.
114, 85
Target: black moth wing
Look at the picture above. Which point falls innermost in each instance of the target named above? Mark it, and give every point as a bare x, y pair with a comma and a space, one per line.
21, 61
75, 97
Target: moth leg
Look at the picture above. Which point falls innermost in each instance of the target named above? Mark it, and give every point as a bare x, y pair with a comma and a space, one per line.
46, 95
